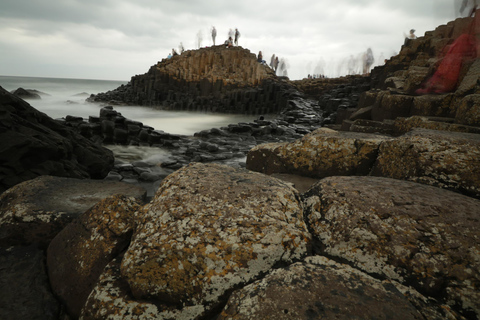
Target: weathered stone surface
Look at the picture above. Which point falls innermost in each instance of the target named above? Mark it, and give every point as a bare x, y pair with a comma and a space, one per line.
433, 105
419, 235
470, 81
320, 288
112, 299
33, 144
24, 288
78, 254
36, 210
390, 106
468, 112
404, 125
444, 159
322, 153
210, 229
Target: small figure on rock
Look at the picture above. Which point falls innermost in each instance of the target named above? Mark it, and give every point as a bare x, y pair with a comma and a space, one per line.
237, 35
214, 34
181, 49
174, 53
231, 33
410, 37
276, 64
260, 58
272, 62
229, 42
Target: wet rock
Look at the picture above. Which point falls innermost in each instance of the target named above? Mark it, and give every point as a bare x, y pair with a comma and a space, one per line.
320, 288
78, 254
26, 94
24, 288
319, 154
209, 229
35, 211
418, 235
444, 159
33, 144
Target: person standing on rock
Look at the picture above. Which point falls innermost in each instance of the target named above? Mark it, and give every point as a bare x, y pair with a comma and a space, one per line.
272, 62
231, 33
214, 34
237, 35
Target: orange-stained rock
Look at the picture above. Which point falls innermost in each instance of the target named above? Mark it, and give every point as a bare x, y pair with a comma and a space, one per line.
210, 229
322, 153
443, 159
112, 299
77, 255
419, 235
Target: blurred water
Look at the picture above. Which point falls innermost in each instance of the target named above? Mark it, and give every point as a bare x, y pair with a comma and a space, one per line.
62, 97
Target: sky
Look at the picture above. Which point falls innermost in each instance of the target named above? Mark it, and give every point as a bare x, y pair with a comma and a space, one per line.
117, 39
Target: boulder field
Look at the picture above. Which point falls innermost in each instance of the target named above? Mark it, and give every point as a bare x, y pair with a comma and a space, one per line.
376, 215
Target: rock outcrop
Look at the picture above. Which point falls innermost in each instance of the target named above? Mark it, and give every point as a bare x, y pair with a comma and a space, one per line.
214, 79
32, 144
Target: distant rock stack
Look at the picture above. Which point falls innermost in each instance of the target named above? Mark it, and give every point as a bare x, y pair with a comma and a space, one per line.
214, 79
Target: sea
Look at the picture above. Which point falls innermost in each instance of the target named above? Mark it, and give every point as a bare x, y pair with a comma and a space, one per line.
61, 97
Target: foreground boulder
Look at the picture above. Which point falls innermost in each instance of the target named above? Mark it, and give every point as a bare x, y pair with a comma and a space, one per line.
79, 253
444, 159
209, 229
320, 288
415, 234
35, 211
33, 144
322, 153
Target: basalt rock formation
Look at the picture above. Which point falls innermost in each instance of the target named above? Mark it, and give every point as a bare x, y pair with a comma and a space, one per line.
389, 226
214, 79
33, 144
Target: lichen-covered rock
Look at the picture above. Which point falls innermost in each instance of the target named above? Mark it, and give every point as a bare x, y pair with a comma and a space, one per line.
419, 235
433, 105
35, 211
111, 299
77, 255
404, 125
468, 111
390, 106
320, 288
24, 289
443, 159
322, 153
209, 229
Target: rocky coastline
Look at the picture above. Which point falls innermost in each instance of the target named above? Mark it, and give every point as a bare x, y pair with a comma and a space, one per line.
359, 199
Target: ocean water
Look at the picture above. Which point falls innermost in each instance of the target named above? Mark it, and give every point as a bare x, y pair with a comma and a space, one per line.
62, 97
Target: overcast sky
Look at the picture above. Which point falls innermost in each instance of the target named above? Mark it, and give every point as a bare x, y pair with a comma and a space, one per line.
116, 39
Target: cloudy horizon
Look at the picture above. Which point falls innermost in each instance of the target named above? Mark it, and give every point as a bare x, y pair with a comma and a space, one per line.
115, 40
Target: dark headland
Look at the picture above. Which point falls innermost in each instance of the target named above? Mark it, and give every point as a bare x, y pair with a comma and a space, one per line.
359, 196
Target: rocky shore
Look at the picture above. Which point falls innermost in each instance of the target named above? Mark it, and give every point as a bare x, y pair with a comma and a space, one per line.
359, 199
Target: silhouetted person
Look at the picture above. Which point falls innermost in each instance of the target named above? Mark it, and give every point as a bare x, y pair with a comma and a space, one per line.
181, 49
276, 64
231, 33
214, 34
411, 36
272, 62
237, 35
260, 57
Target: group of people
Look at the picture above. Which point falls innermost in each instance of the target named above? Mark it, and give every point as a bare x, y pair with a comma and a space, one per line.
232, 40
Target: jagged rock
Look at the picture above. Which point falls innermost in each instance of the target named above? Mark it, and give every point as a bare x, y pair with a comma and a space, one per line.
209, 229
320, 288
322, 153
35, 211
444, 159
419, 235
24, 288
78, 254
32, 144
